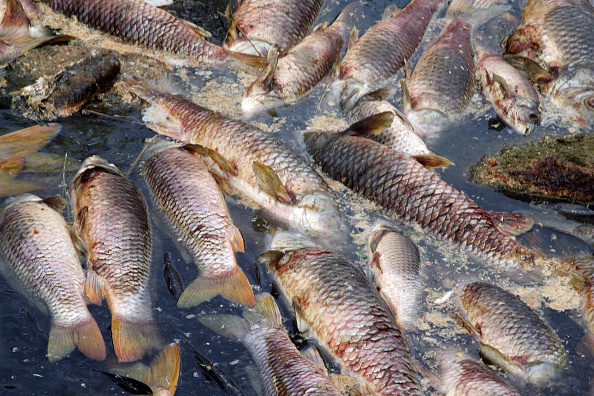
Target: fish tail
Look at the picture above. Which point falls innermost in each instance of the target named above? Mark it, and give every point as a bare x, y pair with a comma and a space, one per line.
230, 326
9, 169
235, 288
84, 335
131, 340
248, 63
264, 313
148, 90
164, 370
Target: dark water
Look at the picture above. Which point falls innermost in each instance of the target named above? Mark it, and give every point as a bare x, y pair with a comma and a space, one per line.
24, 369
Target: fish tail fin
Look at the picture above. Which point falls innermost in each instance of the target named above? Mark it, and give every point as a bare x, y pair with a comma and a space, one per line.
146, 89
131, 340
433, 161
265, 312
31, 139
235, 288
84, 335
511, 223
475, 11
252, 64
9, 169
230, 326
164, 371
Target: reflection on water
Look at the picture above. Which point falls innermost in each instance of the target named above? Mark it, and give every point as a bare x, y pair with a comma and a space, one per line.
24, 369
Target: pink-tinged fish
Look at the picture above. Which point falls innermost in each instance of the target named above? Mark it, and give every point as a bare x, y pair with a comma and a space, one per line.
254, 163
256, 26
284, 369
110, 216
293, 75
39, 259
336, 301
511, 334
138, 22
583, 280
195, 208
403, 186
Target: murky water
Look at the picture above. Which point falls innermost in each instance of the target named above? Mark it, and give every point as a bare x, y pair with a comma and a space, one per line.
24, 369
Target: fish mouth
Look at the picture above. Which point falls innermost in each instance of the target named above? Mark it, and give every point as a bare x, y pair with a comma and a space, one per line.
524, 115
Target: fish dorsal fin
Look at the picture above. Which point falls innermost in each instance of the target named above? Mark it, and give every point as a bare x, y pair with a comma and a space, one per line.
530, 68
406, 70
57, 202
270, 183
406, 102
218, 159
321, 27
371, 125
511, 223
385, 93
390, 12
232, 33
302, 324
353, 37
14, 15
433, 161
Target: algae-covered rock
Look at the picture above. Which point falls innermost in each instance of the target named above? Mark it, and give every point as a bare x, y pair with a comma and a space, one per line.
553, 168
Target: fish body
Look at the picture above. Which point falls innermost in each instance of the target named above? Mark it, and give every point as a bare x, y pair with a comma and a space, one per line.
110, 216
38, 258
301, 69
284, 369
565, 49
396, 264
258, 25
384, 48
512, 95
139, 22
584, 267
512, 335
303, 202
335, 300
405, 188
195, 208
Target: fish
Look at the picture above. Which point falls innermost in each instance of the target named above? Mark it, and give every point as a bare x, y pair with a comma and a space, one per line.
66, 92
557, 54
396, 264
402, 185
401, 135
38, 258
511, 334
173, 279
254, 163
511, 94
583, 281
257, 26
195, 208
335, 301
284, 370
293, 75
379, 53
28, 6
160, 377
127, 20
111, 219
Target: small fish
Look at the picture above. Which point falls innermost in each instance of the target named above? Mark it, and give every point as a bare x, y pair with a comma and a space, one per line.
512, 96
39, 259
66, 92
336, 301
396, 264
293, 75
385, 47
110, 217
174, 282
511, 334
256, 26
583, 281
195, 208
253, 162
284, 370
403, 186
554, 46
138, 22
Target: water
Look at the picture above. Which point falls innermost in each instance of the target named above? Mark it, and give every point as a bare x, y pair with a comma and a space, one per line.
24, 369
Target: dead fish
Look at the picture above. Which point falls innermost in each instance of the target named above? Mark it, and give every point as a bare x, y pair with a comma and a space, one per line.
256, 26
249, 160
396, 264
65, 93
284, 370
110, 216
293, 75
512, 96
336, 301
39, 259
554, 45
195, 208
583, 281
385, 47
403, 186
138, 22
28, 6
511, 334
401, 135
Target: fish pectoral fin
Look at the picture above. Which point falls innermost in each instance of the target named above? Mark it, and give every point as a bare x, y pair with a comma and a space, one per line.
465, 324
95, 287
265, 81
499, 359
218, 159
505, 89
302, 324
375, 261
235, 287
313, 355
370, 125
271, 258
529, 68
131, 340
270, 183
236, 239
433, 161
511, 223
168, 128
77, 241
385, 93
406, 101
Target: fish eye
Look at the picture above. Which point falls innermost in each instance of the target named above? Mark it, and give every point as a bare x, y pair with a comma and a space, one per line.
590, 102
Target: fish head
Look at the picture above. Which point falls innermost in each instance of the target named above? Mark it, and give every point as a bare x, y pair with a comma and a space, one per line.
574, 90
317, 215
351, 92
258, 99
430, 120
524, 115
